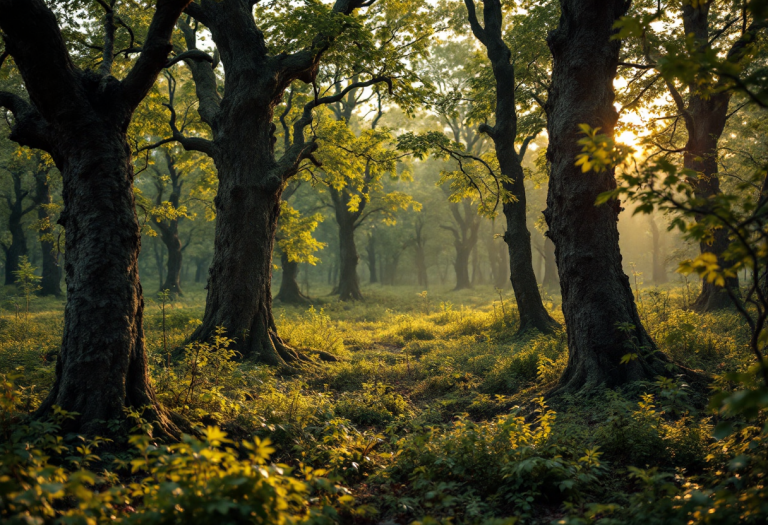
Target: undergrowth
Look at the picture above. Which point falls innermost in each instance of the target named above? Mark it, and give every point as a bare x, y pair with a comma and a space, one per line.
434, 413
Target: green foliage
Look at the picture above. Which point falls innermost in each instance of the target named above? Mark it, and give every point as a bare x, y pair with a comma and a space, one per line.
43, 479
26, 280
473, 470
295, 234
375, 404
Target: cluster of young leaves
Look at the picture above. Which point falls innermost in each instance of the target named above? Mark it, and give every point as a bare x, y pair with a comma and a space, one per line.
294, 236
361, 165
477, 178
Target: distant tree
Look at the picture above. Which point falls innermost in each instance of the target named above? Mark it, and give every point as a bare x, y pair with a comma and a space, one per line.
297, 245
49, 233
18, 198
698, 29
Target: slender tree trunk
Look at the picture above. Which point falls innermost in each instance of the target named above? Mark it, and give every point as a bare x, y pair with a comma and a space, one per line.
169, 234
290, 292
597, 297
533, 315
659, 265
49, 284
371, 252
349, 283
18, 247
504, 134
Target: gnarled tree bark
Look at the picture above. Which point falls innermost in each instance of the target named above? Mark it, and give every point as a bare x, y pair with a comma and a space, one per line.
597, 298
251, 178
80, 118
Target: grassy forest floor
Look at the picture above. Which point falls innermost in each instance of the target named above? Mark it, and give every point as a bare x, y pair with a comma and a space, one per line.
435, 411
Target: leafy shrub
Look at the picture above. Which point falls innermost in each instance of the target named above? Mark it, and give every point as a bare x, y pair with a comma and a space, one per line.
203, 481
375, 404
313, 330
473, 470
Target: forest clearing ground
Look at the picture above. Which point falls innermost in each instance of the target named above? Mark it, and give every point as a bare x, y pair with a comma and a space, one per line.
417, 416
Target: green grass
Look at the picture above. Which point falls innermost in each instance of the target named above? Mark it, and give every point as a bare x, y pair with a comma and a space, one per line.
434, 411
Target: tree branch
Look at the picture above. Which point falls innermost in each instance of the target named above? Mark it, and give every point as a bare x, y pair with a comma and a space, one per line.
300, 150
155, 51
29, 127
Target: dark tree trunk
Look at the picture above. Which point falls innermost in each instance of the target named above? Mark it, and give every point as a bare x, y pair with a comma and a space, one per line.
597, 297
348, 288
240, 277
290, 293
659, 264
504, 134
705, 117
551, 280
170, 238
201, 268
349, 283
169, 230
16, 212
371, 253
18, 246
81, 118
251, 178
102, 368
51, 279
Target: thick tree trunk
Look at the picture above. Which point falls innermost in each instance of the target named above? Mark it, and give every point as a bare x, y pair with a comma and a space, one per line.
51, 279
597, 298
349, 283
102, 367
290, 292
80, 118
240, 277
659, 264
